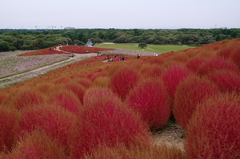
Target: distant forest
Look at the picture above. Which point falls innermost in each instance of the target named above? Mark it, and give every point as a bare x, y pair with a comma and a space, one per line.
21, 39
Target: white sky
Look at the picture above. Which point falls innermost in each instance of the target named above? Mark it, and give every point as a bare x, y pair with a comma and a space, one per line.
123, 14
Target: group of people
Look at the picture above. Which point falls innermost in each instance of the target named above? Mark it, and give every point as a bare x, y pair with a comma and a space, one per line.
122, 58
115, 58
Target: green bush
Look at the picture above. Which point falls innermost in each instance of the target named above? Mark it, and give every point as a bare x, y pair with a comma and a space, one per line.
12, 48
4, 46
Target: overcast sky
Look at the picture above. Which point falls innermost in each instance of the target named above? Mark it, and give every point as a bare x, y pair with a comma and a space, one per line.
123, 14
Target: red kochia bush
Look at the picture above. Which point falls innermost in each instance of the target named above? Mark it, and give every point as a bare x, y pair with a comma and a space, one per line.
106, 121
227, 81
173, 76
192, 91
100, 95
194, 64
216, 63
24, 97
150, 99
214, 129
83, 49
162, 151
2, 96
123, 80
235, 56
56, 122
84, 82
47, 51
76, 88
66, 99
9, 119
152, 70
37, 145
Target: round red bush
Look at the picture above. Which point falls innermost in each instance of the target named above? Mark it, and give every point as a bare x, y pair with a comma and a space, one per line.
66, 99
55, 121
106, 121
37, 145
214, 129
9, 121
215, 64
24, 97
123, 80
192, 91
150, 99
173, 76
227, 81
194, 64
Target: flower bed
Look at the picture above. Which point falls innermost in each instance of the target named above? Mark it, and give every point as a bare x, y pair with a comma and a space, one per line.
82, 49
47, 51
12, 63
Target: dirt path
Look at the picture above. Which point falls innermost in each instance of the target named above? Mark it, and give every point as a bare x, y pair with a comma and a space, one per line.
18, 77
173, 135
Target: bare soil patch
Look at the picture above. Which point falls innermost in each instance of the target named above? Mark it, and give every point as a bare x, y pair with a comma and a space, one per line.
173, 135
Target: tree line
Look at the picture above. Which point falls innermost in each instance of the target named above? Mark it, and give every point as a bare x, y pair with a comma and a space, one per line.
21, 39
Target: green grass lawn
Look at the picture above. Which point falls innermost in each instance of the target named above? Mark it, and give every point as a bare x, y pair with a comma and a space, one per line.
150, 48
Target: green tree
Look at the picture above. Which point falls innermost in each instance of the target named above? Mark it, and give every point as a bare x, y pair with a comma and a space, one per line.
63, 40
47, 44
142, 45
26, 47
12, 48
4, 46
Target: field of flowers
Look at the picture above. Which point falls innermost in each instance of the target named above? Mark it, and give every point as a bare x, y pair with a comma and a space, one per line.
91, 109
82, 49
12, 63
47, 51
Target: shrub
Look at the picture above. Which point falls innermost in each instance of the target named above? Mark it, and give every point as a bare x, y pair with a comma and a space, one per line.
76, 88
137, 152
62, 80
214, 129
55, 121
225, 52
180, 57
101, 81
194, 64
84, 82
107, 121
44, 87
227, 81
66, 99
173, 76
37, 145
152, 70
24, 97
150, 99
9, 121
4, 46
159, 60
192, 91
214, 64
123, 80
2, 96
235, 56
99, 95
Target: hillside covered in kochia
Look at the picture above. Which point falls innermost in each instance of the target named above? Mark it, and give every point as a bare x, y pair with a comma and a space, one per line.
38, 39
92, 109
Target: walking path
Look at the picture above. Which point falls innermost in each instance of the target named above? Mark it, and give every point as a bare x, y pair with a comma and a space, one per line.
4, 82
